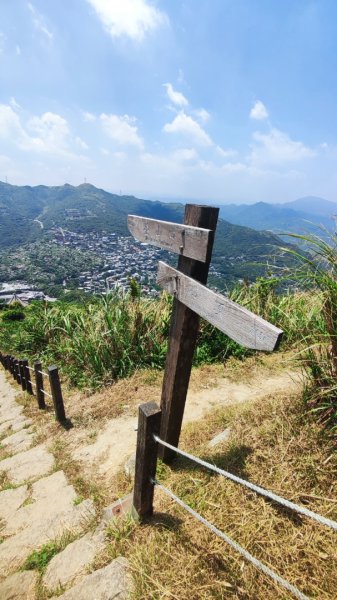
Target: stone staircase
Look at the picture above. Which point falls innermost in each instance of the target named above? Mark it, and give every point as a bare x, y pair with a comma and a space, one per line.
38, 506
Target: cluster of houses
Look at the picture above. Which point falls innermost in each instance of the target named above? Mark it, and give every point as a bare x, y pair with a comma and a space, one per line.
123, 259
21, 293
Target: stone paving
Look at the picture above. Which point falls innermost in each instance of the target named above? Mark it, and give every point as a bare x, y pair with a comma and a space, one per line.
37, 506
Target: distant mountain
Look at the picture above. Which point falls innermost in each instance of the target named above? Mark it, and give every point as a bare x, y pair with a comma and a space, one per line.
28, 213
301, 216
24, 211
313, 205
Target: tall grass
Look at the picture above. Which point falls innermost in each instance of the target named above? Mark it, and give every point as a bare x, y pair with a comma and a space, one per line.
318, 273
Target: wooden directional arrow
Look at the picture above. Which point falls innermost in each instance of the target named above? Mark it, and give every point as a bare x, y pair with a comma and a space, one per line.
192, 242
235, 321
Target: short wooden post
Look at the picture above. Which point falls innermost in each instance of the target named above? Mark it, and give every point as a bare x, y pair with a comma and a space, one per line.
56, 393
7, 362
39, 385
13, 372
29, 387
149, 416
183, 336
17, 375
22, 372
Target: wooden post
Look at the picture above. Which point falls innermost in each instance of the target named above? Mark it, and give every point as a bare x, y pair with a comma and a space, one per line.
12, 367
56, 393
17, 375
39, 385
29, 387
22, 371
183, 336
146, 458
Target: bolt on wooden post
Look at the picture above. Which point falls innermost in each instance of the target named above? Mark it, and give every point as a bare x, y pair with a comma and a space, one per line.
146, 459
56, 393
39, 385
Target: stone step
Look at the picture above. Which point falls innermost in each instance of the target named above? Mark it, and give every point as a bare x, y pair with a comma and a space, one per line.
20, 586
28, 465
113, 582
70, 565
47, 512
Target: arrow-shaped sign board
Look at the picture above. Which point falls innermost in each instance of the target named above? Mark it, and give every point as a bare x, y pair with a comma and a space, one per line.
186, 240
237, 322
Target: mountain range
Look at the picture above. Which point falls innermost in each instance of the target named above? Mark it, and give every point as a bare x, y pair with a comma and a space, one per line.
302, 216
27, 214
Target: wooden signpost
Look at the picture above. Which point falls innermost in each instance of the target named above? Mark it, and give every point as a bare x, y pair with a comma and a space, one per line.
193, 241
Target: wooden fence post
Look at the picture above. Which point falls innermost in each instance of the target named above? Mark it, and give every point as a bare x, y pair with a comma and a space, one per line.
183, 336
56, 393
29, 387
149, 416
22, 372
17, 375
39, 385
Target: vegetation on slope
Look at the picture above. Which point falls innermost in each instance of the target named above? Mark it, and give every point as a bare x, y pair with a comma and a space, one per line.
272, 444
46, 264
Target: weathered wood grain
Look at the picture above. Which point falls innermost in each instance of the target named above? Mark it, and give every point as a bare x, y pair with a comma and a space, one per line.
146, 458
56, 392
237, 322
183, 335
186, 240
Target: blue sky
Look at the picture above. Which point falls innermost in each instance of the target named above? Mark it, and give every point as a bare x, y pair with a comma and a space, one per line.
217, 100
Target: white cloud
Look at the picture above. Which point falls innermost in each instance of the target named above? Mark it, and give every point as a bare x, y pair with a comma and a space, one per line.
184, 125
202, 114
181, 77
176, 97
185, 154
10, 126
276, 147
18, 50
88, 116
39, 22
131, 18
81, 143
237, 167
225, 153
48, 133
14, 104
122, 130
258, 111
52, 132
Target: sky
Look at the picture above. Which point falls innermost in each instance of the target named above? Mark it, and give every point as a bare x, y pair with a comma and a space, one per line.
214, 100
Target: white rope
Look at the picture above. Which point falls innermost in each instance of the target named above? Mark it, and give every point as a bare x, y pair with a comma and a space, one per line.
44, 392
30, 368
252, 486
44, 373
259, 565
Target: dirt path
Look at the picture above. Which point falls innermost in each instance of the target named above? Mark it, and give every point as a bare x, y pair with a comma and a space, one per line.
116, 442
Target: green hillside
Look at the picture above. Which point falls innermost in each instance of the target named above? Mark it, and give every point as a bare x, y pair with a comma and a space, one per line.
239, 252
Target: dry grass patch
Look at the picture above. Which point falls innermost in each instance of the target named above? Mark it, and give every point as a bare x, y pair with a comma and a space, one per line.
271, 444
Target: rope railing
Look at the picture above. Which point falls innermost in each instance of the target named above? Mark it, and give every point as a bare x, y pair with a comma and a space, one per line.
255, 488
148, 441
249, 557
44, 373
22, 373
